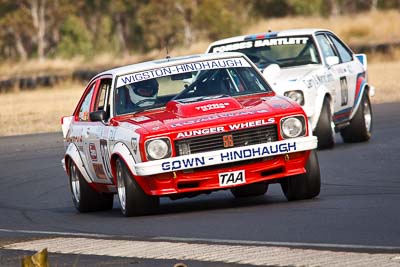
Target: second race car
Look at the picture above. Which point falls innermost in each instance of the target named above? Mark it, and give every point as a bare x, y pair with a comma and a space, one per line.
317, 70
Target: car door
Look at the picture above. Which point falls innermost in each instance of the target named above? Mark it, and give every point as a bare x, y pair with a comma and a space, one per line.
339, 73
352, 70
79, 123
96, 135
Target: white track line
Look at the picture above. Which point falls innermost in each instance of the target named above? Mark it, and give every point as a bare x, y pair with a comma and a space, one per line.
240, 254
52, 233
216, 241
281, 244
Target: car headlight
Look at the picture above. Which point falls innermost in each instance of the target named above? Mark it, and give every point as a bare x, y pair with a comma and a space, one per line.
158, 148
296, 95
292, 127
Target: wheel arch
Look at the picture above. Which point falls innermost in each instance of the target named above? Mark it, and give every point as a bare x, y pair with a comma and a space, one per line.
362, 88
121, 151
318, 106
72, 155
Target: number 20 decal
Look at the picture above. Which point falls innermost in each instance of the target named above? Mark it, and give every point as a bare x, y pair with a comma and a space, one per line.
105, 157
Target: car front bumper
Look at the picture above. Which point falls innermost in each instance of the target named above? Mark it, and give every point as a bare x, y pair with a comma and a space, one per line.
225, 156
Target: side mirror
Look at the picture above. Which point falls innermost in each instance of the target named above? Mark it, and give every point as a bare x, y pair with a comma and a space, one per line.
330, 61
99, 115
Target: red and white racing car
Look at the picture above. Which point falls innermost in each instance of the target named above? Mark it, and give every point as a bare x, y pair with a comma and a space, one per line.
179, 127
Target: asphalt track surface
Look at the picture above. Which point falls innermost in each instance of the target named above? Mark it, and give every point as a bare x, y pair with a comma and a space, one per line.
358, 208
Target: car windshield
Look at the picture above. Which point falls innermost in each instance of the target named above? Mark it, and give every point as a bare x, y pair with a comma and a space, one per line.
188, 82
284, 51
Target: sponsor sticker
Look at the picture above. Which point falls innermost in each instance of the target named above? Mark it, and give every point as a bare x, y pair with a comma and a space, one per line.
93, 152
140, 119
219, 116
134, 144
212, 106
231, 127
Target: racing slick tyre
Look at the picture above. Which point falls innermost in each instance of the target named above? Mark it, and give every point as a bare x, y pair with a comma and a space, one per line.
323, 130
84, 197
250, 190
304, 186
132, 198
360, 127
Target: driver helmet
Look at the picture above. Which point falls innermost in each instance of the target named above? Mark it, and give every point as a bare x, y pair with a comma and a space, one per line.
143, 90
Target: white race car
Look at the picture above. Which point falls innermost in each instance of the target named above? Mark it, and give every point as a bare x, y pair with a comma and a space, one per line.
317, 70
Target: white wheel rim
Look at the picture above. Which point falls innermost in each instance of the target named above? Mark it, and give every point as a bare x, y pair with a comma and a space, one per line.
75, 186
121, 188
367, 116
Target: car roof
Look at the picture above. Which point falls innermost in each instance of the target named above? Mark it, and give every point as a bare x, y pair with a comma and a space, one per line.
159, 63
270, 34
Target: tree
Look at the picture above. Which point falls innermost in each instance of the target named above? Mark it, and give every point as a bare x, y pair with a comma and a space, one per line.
37, 8
163, 26
269, 8
310, 7
186, 10
15, 25
75, 38
218, 19
125, 24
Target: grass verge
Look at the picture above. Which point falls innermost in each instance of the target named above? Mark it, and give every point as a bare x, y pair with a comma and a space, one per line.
37, 111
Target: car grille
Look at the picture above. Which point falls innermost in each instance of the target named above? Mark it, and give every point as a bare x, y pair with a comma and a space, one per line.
245, 137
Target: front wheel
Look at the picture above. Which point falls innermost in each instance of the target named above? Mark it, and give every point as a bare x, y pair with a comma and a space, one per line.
323, 130
132, 198
84, 197
360, 128
304, 186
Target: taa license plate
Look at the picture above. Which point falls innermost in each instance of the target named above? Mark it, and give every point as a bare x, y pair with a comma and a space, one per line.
232, 178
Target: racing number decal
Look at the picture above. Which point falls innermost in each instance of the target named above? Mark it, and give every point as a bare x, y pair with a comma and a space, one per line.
105, 157
344, 89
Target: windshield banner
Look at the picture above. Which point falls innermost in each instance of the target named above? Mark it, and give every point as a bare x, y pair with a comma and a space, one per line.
182, 68
260, 43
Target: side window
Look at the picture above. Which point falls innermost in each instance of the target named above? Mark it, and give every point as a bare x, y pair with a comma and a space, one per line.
344, 53
85, 107
102, 96
326, 48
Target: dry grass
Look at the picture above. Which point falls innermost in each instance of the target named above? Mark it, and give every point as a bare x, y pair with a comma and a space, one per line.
383, 75
37, 111
36, 67
364, 28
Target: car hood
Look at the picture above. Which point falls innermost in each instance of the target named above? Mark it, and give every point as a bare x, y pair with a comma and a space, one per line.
284, 76
200, 113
